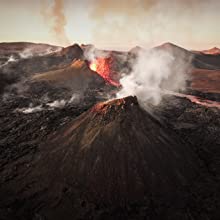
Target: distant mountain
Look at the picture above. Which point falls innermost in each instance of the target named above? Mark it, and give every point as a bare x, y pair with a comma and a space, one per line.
172, 47
27, 59
32, 63
212, 51
20, 68
24, 50
202, 60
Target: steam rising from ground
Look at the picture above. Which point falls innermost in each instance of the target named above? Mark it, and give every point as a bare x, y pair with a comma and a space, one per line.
32, 51
57, 104
91, 53
10, 60
154, 72
31, 109
61, 103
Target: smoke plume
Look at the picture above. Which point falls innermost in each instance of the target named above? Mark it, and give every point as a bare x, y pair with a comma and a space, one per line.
91, 53
153, 73
55, 18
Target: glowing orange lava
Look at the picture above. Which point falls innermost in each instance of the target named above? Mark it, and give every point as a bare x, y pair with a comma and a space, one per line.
102, 67
93, 66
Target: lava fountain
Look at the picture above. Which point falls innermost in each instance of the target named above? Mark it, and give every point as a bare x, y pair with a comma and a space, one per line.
103, 67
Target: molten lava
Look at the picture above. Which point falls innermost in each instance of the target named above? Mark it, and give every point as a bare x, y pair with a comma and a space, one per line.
103, 67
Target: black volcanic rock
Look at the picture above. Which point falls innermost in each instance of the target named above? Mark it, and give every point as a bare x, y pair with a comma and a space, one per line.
26, 67
113, 154
47, 62
19, 49
76, 78
72, 52
114, 161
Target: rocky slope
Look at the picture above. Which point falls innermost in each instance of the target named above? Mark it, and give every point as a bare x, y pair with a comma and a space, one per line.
113, 160
65, 155
19, 69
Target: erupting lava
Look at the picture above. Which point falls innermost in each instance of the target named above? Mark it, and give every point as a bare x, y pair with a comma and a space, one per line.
102, 67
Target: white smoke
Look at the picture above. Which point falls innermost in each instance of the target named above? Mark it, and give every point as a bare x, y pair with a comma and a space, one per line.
30, 109
91, 53
49, 51
33, 51
57, 104
30, 52
154, 72
26, 53
11, 59
75, 98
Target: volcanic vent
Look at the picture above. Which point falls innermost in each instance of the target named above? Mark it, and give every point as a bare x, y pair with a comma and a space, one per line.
103, 66
115, 153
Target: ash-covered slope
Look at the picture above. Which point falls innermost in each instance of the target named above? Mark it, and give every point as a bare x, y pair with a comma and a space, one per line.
119, 153
21, 68
199, 60
76, 78
24, 49
76, 74
115, 154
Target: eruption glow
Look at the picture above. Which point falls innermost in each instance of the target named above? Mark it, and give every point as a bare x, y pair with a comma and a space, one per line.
102, 67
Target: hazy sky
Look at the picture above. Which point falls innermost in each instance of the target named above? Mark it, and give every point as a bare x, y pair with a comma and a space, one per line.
116, 24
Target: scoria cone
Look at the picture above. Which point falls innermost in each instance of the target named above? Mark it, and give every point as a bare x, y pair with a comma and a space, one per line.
115, 154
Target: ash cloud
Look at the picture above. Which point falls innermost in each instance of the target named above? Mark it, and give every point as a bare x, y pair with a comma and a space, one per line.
55, 18
153, 73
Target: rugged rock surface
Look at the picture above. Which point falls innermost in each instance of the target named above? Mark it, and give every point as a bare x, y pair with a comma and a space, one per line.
77, 77
18, 50
198, 60
113, 160
20, 69
58, 159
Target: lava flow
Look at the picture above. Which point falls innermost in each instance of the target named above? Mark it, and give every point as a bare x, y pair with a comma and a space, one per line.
102, 67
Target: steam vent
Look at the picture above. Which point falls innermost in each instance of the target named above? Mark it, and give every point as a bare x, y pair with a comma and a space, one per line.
113, 154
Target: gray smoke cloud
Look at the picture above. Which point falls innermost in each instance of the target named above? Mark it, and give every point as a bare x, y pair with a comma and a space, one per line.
153, 73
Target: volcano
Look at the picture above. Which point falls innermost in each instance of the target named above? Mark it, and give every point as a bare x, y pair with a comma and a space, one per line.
66, 154
76, 74
103, 67
113, 154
